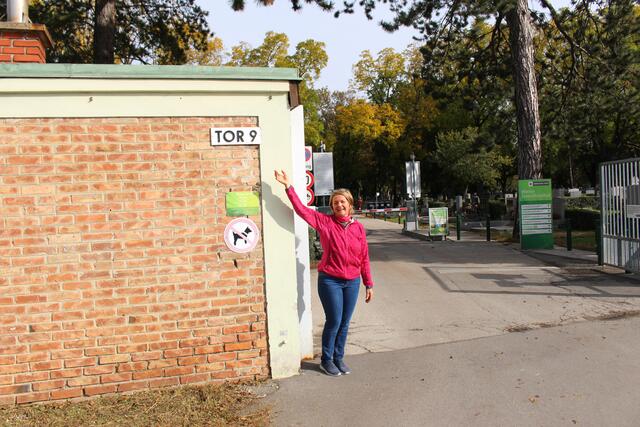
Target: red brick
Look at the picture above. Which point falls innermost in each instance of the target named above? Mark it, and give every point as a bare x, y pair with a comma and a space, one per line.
116, 358
178, 371
99, 370
7, 360
32, 397
66, 373
151, 355
7, 400
28, 58
163, 382
48, 385
67, 354
238, 346
131, 386
196, 378
31, 376
151, 373
13, 50
163, 363
84, 361
15, 389
83, 381
14, 369
207, 349
116, 378
102, 389
130, 367
66, 393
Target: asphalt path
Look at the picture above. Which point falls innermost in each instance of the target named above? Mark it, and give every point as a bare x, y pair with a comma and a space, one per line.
437, 292
476, 333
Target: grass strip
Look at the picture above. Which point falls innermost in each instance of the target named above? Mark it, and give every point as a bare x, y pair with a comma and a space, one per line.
202, 405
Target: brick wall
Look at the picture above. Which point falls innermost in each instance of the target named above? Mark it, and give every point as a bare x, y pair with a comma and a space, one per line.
114, 275
21, 46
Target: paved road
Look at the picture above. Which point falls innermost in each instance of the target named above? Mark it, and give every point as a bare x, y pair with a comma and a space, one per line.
583, 374
436, 292
436, 346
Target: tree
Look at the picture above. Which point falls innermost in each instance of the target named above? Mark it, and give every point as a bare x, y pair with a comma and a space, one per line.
464, 164
214, 53
367, 135
591, 90
379, 77
309, 58
425, 16
124, 31
104, 32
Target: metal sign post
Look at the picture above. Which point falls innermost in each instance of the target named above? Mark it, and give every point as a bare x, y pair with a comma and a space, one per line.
413, 190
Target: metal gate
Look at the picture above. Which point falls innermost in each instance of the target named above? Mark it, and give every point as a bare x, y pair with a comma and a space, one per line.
620, 213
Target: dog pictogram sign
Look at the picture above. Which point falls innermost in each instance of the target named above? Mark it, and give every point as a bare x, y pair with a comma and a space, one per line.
241, 235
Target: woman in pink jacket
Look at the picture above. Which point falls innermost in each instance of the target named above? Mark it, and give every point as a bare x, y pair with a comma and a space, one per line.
345, 259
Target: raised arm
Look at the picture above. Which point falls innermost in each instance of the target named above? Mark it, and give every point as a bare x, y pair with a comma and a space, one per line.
312, 217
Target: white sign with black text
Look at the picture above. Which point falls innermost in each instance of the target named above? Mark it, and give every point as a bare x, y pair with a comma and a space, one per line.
236, 136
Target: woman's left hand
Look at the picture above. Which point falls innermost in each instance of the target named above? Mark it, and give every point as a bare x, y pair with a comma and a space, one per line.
369, 295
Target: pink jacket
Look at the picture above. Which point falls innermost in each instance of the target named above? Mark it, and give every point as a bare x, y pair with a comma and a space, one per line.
345, 250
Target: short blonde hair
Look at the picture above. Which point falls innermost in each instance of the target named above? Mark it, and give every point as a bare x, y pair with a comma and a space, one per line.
347, 195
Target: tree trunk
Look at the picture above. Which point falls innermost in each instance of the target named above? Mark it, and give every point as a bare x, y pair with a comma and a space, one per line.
526, 96
104, 32
526, 92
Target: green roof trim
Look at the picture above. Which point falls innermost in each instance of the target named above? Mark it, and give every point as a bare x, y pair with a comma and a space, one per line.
178, 72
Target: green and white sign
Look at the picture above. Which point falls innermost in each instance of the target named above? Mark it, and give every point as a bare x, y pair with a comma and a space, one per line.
536, 220
242, 203
439, 221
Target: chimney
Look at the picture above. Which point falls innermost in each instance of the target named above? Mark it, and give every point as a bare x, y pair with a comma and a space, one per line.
20, 40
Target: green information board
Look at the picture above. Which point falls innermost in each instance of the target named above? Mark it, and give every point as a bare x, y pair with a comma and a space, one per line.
438, 221
534, 208
242, 203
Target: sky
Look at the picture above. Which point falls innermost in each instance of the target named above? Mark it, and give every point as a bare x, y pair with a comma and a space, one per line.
345, 38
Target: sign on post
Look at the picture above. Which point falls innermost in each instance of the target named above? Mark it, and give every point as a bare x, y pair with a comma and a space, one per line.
308, 157
309, 179
439, 221
323, 173
310, 197
413, 179
536, 220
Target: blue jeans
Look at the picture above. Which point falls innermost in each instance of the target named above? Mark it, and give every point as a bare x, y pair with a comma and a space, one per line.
338, 297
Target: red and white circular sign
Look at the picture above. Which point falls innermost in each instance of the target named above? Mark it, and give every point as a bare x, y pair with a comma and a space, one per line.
241, 235
310, 197
309, 179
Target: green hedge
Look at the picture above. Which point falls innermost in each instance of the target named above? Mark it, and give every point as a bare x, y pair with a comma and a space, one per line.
582, 219
583, 202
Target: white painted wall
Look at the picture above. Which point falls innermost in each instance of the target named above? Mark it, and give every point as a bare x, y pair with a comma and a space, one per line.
302, 236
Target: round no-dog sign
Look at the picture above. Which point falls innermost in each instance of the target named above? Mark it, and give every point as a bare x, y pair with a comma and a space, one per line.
241, 235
